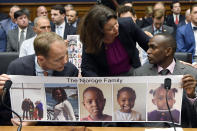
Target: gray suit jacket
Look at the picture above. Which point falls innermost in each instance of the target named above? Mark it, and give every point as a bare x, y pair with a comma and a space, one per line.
179, 69
12, 39
166, 29
188, 115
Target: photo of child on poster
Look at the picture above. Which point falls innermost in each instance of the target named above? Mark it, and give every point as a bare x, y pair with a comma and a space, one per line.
157, 93
29, 103
95, 105
126, 102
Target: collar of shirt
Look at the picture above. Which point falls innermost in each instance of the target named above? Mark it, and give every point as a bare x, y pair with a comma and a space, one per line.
19, 32
74, 24
13, 25
155, 29
39, 70
170, 67
60, 26
193, 26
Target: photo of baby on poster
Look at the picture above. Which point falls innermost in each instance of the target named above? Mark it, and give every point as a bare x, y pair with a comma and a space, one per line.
118, 99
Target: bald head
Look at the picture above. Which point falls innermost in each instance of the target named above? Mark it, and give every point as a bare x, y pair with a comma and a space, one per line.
161, 50
13, 9
187, 15
42, 11
167, 39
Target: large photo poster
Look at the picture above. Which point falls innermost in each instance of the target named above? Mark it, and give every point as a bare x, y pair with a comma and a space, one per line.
120, 99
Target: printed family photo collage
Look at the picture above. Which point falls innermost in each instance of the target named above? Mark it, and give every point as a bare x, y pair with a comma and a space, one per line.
128, 99
74, 51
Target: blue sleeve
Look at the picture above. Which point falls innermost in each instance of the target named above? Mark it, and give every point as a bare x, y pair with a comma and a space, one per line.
3, 40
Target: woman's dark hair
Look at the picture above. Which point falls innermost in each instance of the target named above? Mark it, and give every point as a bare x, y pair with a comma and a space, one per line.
64, 95
91, 27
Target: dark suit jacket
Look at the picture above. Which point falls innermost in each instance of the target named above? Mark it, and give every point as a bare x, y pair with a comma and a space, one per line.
129, 34
170, 20
13, 41
166, 29
145, 22
188, 115
26, 66
69, 30
3, 16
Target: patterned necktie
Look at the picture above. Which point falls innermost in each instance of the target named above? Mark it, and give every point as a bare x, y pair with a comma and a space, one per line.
22, 37
164, 72
177, 20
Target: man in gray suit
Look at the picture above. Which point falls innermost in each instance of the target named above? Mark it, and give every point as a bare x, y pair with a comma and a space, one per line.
158, 24
161, 57
23, 31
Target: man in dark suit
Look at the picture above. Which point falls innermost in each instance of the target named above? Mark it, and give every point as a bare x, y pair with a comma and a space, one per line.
49, 60
186, 35
158, 24
161, 57
23, 31
61, 27
72, 18
157, 27
176, 17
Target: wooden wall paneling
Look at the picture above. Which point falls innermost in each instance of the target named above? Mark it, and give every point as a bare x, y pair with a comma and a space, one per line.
83, 7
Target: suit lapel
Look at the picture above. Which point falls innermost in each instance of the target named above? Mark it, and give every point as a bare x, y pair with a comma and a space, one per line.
29, 32
191, 35
153, 70
178, 69
15, 37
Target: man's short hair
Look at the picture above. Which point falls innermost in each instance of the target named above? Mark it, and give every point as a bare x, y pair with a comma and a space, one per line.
169, 40
14, 6
60, 8
20, 13
191, 8
174, 2
158, 14
123, 9
43, 41
40, 17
